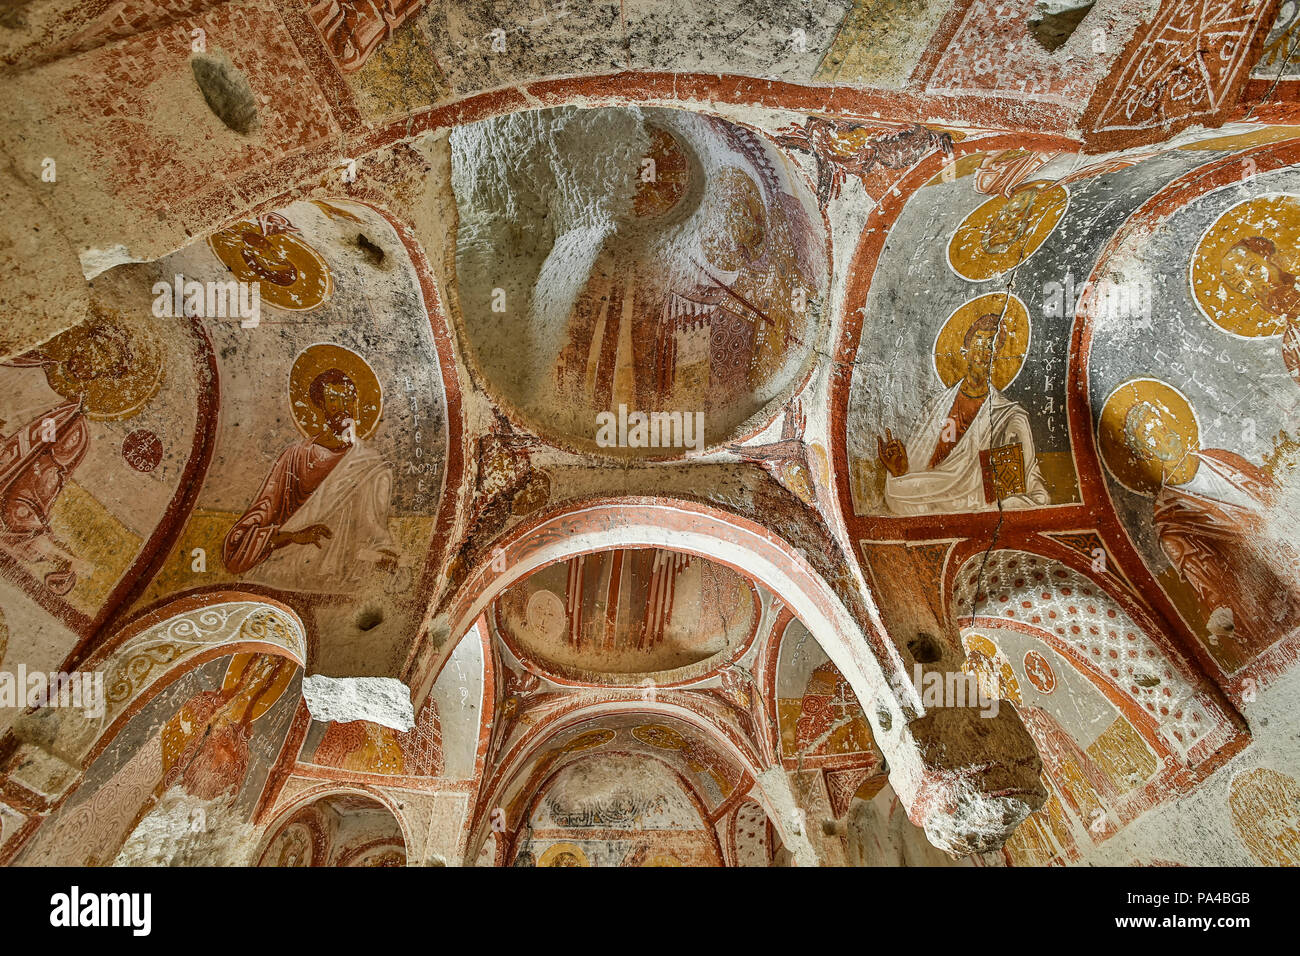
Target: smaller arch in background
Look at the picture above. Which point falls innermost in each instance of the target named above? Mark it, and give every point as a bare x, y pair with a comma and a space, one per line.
1119, 721
327, 826
521, 774
1078, 617
642, 802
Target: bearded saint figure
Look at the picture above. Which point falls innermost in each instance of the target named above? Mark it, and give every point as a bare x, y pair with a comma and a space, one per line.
321, 514
970, 417
1209, 527
205, 744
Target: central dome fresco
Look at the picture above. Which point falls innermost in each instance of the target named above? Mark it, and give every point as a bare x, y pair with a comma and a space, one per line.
635, 282
616, 617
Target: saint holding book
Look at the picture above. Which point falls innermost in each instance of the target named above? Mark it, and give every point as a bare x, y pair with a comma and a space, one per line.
973, 446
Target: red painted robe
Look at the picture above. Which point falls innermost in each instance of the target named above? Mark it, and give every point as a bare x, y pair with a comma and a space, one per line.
963, 412
33, 472
207, 763
1215, 546
296, 474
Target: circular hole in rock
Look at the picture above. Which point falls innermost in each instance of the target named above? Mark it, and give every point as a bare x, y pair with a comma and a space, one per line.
368, 618
925, 648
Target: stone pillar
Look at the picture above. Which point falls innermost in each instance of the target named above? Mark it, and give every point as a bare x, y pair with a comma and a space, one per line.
791, 820
975, 780
820, 826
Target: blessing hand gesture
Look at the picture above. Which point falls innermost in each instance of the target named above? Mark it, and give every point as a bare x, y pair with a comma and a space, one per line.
893, 453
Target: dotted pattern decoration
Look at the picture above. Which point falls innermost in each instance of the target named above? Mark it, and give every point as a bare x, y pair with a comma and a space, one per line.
1046, 594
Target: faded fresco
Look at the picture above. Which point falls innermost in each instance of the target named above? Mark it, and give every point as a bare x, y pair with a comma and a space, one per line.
1096, 762
636, 611
1200, 455
681, 270
99, 424
400, 54
215, 733
337, 830
365, 747
818, 713
1279, 55
661, 396
327, 469
669, 757
617, 811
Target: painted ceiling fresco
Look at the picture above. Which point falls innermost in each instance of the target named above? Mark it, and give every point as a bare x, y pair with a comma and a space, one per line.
341, 516
617, 810
818, 712
215, 734
337, 830
1202, 471
111, 404
616, 615
861, 432
1095, 761
711, 770
647, 261
992, 430
155, 404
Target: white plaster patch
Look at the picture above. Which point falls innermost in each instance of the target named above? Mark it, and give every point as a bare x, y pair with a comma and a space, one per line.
95, 261
381, 700
185, 831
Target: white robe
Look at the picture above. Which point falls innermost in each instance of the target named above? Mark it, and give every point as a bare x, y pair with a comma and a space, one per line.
956, 484
353, 503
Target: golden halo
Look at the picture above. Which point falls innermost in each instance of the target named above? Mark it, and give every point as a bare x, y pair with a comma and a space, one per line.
112, 362
314, 360
980, 645
1274, 218
588, 741
1259, 136
967, 253
291, 275
991, 668
796, 477
961, 167
563, 854
657, 735
821, 466
267, 695
1140, 473
1012, 342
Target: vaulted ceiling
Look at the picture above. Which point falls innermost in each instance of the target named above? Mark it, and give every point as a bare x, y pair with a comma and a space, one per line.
681, 401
